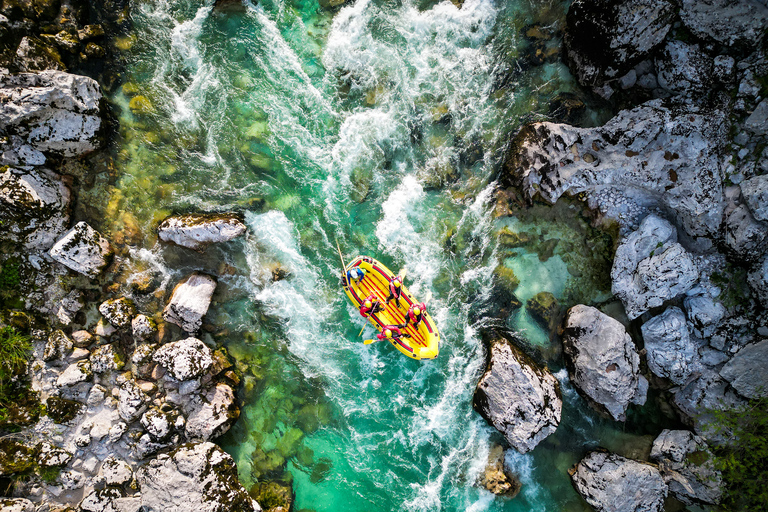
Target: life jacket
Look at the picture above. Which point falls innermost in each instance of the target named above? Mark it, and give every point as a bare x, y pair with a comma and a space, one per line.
356, 273
411, 314
396, 290
364, 310
395, 332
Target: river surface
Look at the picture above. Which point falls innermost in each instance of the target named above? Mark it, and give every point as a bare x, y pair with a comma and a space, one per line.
379, 125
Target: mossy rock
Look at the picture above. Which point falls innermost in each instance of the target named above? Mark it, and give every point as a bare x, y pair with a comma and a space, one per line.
546, 249
16, 457
506, 278
361, 184
509, 238
34, 54
61, 410
140, 105
545, 308
273, 495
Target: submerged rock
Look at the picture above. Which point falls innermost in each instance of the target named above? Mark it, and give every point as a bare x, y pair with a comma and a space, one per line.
611, 483
190, 301
84, 250
495, 478
521, 400
545, 309
746, 371
602, 361
193, 478
198, 231
686, 464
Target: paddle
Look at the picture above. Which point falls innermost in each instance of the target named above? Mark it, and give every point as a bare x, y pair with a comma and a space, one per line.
368, 342
343, 266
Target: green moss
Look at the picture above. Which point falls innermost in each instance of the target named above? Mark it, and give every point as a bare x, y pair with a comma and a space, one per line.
506, 278
49, 474
9, 275
62, 410
140, 105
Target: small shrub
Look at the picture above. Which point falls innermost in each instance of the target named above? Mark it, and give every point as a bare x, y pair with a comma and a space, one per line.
14, 352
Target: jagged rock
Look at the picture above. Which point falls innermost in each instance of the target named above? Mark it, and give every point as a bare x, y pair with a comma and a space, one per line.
116, 471
57, 346
143, 328
698, 397
544, 308
704, 313
686, 465
132, 402
672, 353
757, 123
33, 54
189, 302
101, 500
51, 455
663, 154
83, 250
198, 231
495, 478
69, 306
186, 359
104, 329
519, 399
34, 206
758, 281
50, 112
193, 478
650, 267
730, 23
118, 312
604, 39
211, 415
746, 371
107, 358
746, 237
755, 192
611, 483
684, 68
602, 361
75, 373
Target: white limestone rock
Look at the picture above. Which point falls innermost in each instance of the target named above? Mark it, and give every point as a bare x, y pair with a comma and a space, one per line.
198, 231
107, 358
671, 352
190, 301
16, 505
747, 371
116, 471
518, 398
101, 500
186, 359
193, 478
132, 401
59, 345
602, 361
84, 250
611, 483
51, 455
119, 312
75, 373
159, 424
210, 415
143, 328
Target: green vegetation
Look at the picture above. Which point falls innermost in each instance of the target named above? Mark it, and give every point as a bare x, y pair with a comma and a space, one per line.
9, 275
742, 462
14, 351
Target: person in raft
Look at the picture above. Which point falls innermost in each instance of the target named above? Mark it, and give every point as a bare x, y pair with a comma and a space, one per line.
415, 314
392, 332
370, 305
395, 290
355, 274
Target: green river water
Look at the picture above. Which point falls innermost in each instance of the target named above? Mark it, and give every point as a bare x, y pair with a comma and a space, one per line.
379, 124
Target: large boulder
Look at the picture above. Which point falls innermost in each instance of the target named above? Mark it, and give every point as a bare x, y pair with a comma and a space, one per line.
48, 113
517, 397
732, 23
650, 267
671, 351
604, 39
186, 359
687, 466
611, 483
198, 231
190, 301
746, 238
84, 250
755, 192
34, 206
211, 414
662, 154
602, 361
193, 478
684, 68
747, 370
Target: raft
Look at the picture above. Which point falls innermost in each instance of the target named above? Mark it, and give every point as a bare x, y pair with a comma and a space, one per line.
424, 341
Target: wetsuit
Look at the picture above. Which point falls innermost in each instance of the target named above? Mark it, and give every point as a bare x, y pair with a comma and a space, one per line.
411, 317
395, 291
376, 306
355, 274
396, 333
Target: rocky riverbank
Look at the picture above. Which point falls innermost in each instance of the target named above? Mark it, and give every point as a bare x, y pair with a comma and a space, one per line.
681, 169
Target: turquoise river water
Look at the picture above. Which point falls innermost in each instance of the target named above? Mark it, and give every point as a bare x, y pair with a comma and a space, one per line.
379, 124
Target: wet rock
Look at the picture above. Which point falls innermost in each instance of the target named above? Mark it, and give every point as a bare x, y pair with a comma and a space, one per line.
186, 359
89, 32
83, 250
118, 312
671, 352
189, 302
75, 373
745, 25
686, 464
755, 193
684, 69
745, 237
16, 505
211, 415
604, 39
519, 399
602, 361
495, 478
650, 267
545, 309
116, 471
746, 371
611, 483
107, 358
143, 328
34, 206
50, 112
198, 231
193, 478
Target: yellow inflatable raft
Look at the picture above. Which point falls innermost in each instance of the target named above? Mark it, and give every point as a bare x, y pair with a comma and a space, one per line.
424, 340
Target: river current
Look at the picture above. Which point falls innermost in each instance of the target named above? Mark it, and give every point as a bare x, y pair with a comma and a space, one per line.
379, 125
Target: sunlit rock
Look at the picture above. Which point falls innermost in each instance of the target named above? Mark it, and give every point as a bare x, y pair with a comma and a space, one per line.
517, 397
118, 312
611, 483
16, 505
75, 373
116, 471
211, 414
84, 250
198, 231
602, 361
684, 68
186, 359
190, 301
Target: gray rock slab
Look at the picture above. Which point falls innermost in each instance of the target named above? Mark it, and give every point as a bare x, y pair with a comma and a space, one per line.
197, 231
84, 250
747, 371
190, 301
671, 352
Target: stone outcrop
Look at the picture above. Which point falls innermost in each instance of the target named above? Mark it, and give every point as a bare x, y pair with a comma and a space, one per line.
611, 483
686, 464
671, 352
118, 312
732, 24
198, 231
190, 301
521, 400
746, 371
602, 361
193, 478
186, 359
48, 113
84, 250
